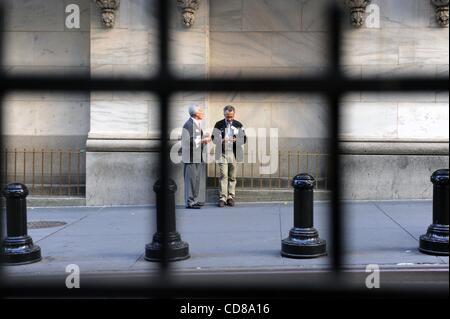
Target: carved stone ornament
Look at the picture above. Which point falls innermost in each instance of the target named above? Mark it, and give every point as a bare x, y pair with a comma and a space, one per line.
109, 8
357, 11
188, 8
441, 12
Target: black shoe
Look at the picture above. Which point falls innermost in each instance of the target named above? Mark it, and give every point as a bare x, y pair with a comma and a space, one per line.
230, 202
221, 203
193, 207
200, 204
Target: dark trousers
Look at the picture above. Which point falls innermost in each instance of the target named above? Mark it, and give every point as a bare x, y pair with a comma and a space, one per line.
194, 183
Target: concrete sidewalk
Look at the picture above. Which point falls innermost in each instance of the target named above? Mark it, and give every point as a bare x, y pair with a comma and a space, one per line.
248, 236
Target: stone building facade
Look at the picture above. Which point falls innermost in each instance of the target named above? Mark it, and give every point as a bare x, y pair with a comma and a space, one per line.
391, 142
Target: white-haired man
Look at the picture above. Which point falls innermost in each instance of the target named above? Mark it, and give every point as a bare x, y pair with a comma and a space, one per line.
192, 143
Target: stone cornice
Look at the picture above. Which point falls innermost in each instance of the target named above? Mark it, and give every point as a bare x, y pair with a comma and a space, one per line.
400, 147
347, 146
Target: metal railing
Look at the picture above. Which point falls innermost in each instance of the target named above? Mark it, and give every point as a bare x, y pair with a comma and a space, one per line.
290, 163
46, 172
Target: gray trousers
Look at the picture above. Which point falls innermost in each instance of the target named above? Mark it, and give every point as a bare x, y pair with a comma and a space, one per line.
194, 183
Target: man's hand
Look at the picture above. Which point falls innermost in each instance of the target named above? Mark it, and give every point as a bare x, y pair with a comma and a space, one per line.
229, 139
206, 140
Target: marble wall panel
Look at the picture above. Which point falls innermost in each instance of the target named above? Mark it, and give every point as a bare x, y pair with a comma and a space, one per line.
40, 118
305, 119
423, 120
112, 117
369, 120
34, 15
371, 47
187, 47
226, 15
18, 49
231, 49
61, 48
312, 15
299, 49
119, 46
266, 15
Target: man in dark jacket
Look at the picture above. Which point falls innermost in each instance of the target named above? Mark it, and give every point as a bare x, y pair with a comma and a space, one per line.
229, 137
192, 143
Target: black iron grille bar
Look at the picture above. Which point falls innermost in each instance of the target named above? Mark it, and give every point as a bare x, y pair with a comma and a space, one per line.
164, 96
1, 130
334, 95
321, 84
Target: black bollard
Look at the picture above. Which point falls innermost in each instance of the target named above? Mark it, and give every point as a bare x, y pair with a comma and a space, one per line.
17, 247
303, 240
435, 241
178, 249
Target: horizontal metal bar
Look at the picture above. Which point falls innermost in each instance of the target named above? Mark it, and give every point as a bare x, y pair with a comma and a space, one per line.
321, 84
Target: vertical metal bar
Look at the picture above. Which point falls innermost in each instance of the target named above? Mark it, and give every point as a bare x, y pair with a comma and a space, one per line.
243, 176
69, 171
15, 165
33, 170
289, 167
270, 180
24, 165
60, 171
42, 171
260, 177
215, 174
78, 170
51, 172
279, 169
251, 174
317, 171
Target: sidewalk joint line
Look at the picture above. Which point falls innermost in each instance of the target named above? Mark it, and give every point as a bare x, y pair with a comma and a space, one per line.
66, 226
136, 261
398, 224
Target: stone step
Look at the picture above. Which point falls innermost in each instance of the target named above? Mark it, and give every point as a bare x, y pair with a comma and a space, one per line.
264, 195
55, 201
